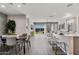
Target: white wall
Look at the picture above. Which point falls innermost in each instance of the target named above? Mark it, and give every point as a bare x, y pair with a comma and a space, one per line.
20, 23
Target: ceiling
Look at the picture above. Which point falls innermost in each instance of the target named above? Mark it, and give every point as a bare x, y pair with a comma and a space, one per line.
41, 9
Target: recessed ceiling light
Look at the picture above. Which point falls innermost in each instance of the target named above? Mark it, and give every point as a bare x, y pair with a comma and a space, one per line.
18, 5
24, 4
68, 14
3, 6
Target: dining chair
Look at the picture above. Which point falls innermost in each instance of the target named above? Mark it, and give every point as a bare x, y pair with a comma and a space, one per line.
3, 47
10, 41
0, 41
23, 38
28, 40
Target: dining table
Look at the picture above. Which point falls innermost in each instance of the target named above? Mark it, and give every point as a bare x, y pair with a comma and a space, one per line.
18, 37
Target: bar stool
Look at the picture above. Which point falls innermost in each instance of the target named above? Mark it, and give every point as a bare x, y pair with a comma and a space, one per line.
62, 45
54, 43
59, 46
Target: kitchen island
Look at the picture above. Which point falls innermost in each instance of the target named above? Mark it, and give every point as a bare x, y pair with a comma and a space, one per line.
71, 41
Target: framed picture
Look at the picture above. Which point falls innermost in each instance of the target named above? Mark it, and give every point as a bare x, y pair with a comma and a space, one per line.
61, 26
71, 25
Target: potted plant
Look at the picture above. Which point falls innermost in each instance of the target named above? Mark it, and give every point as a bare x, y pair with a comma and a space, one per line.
10, 27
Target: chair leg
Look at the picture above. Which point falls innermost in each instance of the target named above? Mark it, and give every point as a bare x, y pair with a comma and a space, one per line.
29, 44
56, 50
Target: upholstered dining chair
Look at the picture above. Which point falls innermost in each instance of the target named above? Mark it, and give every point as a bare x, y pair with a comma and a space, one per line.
28, 41
10, 41
0, 41
3, 39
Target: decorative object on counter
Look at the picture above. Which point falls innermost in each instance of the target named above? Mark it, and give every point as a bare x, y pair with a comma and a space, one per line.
10, 27
27, 27
61, 34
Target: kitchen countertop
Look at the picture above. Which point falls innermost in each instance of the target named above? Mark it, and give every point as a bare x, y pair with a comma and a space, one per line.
71, 35
76, 35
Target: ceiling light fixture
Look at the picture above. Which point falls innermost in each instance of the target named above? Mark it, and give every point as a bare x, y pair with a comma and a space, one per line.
18, 5
69, 5
15, 4
24, 3
11, 3
3, 6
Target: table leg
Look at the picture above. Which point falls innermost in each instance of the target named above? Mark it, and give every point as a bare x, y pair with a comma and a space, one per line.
24, 47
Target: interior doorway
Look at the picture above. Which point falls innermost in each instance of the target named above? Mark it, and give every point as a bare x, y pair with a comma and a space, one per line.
45, 27
39, 28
